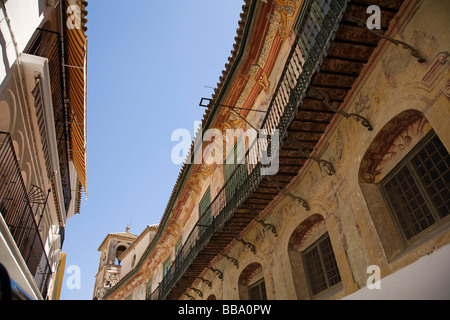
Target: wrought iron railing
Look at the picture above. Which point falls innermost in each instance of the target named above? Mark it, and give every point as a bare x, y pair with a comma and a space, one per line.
319, 23
47, 44
17, 212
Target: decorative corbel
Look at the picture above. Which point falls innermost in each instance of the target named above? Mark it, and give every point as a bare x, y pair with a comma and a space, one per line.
189, 296
322, 163
286, 193
263, 81
217, 272
231, 259
199, 292
267, 226
261, 222
414, 51
208, 283
245, 243
326, 100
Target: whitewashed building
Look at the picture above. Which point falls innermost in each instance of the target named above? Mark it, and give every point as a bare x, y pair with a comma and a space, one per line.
42, 139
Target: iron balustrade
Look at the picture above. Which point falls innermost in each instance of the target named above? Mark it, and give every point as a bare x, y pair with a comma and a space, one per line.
319, 22
47, 44
17, 212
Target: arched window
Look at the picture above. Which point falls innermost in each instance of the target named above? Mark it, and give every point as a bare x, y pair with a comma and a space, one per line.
405, 177
313, 263
417, 190
119, 251
251, 283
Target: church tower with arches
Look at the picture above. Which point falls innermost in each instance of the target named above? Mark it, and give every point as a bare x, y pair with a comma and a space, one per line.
111, 249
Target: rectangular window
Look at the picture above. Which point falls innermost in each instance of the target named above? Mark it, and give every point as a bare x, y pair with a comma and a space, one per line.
178, 246
178, 259
149, 288
234, 169
166, 266
417, 190
230, 164
257, 291
321, 267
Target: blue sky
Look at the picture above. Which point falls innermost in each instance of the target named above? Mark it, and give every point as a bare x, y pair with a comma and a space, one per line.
148, 64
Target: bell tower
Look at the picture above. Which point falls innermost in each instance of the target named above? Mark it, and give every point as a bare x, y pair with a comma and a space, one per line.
111, 250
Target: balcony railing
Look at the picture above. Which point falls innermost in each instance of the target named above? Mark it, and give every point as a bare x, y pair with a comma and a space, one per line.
47, 44
318, 24
17, 212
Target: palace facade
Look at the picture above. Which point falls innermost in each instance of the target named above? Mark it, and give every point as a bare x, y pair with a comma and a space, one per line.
344, 192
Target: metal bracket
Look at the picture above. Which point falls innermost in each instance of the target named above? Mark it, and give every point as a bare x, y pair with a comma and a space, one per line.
231, 259
261, 222
322, 163
245, 243
289, 194
36, 195
189, 296
414, 52
327, 103
208, 283
218, 272
239, 115
230, 107
267, 226
199, 292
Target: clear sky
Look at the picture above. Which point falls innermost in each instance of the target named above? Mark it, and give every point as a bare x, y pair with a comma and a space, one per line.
148, 64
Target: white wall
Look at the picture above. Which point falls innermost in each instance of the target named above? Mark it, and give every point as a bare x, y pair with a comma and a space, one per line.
427, 278
137, 249
25, 16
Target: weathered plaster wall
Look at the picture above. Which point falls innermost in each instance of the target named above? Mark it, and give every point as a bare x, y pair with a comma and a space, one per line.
396, 83
393, 82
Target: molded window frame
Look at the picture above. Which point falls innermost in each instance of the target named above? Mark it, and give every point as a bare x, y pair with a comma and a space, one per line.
261, 285
316, 245
407, 162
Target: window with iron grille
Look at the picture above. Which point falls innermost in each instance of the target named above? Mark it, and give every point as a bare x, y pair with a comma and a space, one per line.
417, 190
320, 264
257, 291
